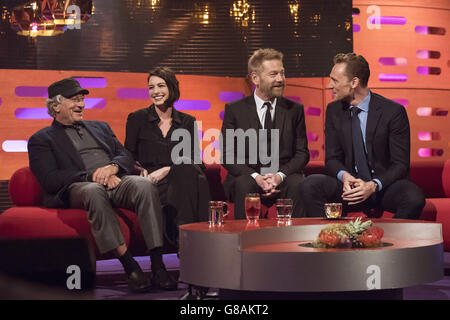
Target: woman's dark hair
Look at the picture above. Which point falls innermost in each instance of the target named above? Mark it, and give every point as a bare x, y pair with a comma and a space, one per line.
168, 76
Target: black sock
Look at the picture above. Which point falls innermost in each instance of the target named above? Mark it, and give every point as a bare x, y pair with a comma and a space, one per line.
156, 259
128, 262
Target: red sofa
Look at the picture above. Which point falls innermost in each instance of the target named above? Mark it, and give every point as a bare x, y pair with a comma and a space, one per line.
29, 219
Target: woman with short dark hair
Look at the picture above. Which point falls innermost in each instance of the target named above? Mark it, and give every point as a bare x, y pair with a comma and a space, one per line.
183, 188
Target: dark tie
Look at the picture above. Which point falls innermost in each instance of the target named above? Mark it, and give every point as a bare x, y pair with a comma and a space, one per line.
268, 124
358, 147
268, 119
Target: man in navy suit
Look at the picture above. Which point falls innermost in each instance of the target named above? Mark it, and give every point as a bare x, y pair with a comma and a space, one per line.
367, 149
81, 164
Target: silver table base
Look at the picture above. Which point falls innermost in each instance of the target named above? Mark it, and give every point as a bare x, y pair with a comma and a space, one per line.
266, 259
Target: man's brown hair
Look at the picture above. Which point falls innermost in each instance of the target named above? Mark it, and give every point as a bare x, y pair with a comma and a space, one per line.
261, 55
355, 66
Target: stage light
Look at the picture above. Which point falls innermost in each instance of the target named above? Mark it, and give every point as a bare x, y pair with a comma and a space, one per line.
294, 9
242, 13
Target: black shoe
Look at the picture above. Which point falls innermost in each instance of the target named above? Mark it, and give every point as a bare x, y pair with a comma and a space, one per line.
138, 282
161, 279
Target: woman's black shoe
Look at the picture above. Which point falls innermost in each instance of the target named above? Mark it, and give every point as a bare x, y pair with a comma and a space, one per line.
161, 279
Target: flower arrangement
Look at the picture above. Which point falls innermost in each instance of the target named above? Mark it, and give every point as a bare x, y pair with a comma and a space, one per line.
355, 234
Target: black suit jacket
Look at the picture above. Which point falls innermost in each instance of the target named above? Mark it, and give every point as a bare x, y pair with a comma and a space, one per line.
56, 163
289, 119
387, 139
146, 143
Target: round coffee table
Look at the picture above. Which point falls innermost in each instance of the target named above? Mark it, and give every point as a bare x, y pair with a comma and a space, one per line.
269, 258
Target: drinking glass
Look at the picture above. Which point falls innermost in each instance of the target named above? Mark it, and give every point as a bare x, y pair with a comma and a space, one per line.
333, 210
218, 210
252, 206
284, 209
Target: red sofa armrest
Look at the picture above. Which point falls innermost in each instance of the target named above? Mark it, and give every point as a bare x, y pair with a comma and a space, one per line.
24, 189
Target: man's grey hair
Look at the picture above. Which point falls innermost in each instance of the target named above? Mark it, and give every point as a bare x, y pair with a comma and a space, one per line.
52, 103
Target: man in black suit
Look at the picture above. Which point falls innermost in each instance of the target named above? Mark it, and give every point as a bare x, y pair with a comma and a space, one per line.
81, 164
270, 159
367, 149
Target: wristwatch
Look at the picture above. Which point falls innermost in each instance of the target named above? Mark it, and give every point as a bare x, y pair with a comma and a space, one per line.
377, 187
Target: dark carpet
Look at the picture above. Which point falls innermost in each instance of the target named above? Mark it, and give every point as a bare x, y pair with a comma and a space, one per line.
111, 283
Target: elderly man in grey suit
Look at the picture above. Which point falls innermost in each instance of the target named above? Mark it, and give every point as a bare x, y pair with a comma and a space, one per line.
81, 164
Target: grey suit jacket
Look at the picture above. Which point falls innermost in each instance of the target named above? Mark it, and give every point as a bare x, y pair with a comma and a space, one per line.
56, 163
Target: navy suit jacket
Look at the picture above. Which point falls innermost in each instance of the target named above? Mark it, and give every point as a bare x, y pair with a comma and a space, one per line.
387, 139
56, 163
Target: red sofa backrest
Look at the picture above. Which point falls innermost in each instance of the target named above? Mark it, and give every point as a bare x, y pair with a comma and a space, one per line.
25, 190
428, 176
446, 178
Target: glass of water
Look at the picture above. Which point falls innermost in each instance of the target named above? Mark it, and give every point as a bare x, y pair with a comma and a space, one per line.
284, 209
218, 210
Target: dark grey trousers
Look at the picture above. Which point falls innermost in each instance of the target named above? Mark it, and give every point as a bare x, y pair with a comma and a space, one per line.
134, 193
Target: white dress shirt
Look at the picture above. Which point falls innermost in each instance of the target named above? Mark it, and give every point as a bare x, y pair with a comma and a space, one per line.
262, 111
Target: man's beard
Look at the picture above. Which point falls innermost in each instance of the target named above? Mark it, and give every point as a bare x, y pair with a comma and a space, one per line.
275, 91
